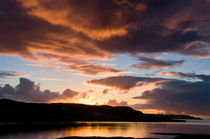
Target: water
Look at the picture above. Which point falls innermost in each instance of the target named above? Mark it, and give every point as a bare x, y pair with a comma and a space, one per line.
126, 129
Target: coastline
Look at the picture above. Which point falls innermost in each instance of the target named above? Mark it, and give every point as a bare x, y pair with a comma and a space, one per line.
177, 136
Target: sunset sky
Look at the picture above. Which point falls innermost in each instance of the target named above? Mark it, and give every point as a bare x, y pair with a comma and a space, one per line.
152, 55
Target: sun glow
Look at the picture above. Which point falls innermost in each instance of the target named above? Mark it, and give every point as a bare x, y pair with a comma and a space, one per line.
89, 101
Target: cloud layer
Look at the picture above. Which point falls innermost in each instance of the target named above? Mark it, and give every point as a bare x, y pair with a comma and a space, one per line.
69, 27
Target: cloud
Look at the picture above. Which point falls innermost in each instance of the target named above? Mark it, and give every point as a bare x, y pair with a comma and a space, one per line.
25, 35
179, 96
19, 30
105, 91
154, 63
113, 102
93, 69
69, 28
81, 19
203, 77
28, 91
172, 27
124, 82
84, 95
8, 74
82, 66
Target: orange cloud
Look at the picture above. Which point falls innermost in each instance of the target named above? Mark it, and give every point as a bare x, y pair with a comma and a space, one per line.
72, 64
170, 73
93, 69
65, 43
80, 18
105, 91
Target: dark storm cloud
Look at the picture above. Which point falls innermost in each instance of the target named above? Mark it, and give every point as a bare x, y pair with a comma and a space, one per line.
178, 96
171, 95
149, 40
124, 82
154, 63
167, 26
28, 91
98, 29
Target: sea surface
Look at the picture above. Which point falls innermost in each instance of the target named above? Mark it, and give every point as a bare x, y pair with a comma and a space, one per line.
125, 129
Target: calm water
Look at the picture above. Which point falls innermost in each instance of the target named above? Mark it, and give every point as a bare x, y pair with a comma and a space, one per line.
126, 129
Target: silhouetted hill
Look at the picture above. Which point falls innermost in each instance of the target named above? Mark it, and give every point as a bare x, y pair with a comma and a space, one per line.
13, 111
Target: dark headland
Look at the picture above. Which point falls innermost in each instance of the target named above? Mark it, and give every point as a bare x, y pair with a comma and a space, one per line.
14, 111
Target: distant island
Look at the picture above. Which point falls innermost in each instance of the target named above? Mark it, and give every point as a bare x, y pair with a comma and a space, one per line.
14, 111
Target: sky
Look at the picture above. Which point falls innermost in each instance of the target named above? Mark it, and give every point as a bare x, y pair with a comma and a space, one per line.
151, 55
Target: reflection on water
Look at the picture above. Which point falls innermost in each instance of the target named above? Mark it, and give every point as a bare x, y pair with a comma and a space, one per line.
126, 129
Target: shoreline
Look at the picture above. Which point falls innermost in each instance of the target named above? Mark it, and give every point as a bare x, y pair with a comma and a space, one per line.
176, 136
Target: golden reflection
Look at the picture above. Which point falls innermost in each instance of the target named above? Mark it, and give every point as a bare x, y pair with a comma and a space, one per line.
107, 129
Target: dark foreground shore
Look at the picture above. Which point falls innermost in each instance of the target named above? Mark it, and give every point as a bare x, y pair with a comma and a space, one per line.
177, 136
76, 137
